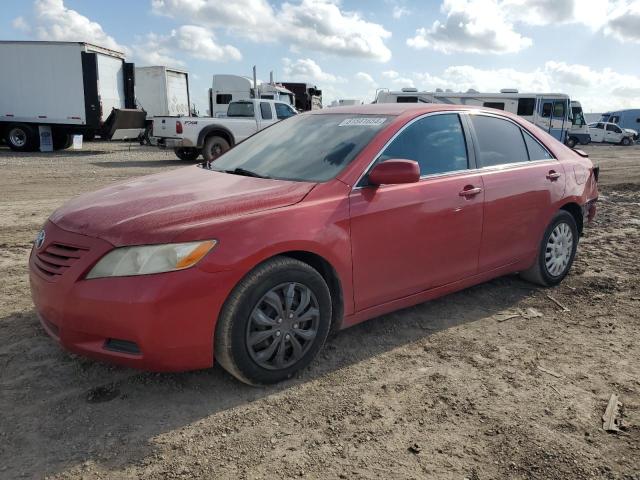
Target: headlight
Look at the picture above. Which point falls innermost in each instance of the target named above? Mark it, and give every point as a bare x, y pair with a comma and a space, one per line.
147, 259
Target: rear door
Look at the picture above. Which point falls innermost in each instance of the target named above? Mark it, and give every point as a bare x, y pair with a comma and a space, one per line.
177, 93
412, 237
596, 132
111, 87
522, 181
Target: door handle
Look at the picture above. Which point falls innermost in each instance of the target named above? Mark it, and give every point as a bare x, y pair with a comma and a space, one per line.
470, 191
552, 175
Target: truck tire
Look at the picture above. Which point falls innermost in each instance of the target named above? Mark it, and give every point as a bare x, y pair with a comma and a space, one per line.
214, 146
626, 141
61, 141
22, 138
186, 154
571, 142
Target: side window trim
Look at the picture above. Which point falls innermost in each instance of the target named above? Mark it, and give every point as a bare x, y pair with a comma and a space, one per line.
470, 152
524, 132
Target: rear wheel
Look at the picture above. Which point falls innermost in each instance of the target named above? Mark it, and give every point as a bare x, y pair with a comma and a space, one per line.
187, 154
626, 141
61, 141
214, 146
556, 253
571, 142
22, 138
274, 322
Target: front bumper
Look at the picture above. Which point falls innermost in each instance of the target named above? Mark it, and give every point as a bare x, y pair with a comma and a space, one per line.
162, 322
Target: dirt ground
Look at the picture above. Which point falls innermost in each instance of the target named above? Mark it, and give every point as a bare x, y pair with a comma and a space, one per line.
448, 389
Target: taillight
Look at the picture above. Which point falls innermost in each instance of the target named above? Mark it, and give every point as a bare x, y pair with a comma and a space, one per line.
178, 126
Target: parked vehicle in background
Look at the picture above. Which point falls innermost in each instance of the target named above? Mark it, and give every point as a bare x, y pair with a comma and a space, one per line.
162, 91
579, 131
306, 96
67, 87
315, 224
625, 119
345, 102
229, 88
549, 111
606, 132
212, 136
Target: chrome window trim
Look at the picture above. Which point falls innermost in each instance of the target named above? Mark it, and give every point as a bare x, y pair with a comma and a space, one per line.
356, 185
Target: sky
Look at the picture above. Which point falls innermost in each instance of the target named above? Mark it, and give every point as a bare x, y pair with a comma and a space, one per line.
588, 49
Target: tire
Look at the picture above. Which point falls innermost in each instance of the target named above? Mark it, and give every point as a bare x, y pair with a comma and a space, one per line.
88, 136
214, 146
22, 138
61, 141
543, 274
626, 141
249, 312
186, 154
571, 142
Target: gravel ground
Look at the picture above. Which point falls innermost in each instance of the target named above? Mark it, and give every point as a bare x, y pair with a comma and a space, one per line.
446, 389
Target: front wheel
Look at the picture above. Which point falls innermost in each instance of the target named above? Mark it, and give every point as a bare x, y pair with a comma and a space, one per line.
274, 322
187, 154
571, 142
556, 253
626, 141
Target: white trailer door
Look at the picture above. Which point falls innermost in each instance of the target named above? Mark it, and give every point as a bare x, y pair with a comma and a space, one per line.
110, 83
177, 93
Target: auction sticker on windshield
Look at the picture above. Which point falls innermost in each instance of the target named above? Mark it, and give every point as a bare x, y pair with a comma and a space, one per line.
362, 122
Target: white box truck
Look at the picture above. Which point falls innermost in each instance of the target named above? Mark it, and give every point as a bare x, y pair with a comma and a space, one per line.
69, 87
162, 92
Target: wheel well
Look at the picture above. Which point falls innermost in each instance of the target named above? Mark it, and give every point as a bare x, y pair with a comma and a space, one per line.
330, 276
218, 133
576, 212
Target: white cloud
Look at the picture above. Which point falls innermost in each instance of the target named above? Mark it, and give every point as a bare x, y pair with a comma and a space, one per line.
597, 90
364, 77
19, 23
306, 69
197, 42
318, 25
53, 21
624, 22
478, 26
399, 11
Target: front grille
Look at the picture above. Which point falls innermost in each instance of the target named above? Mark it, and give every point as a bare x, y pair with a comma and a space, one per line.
57, 258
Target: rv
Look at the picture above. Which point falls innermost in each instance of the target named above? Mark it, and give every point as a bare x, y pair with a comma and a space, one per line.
51, 90
307, 97
345, 102
549, 111
626, 119
230, 88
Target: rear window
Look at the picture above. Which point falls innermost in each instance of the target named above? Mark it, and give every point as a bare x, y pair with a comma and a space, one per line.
240, 109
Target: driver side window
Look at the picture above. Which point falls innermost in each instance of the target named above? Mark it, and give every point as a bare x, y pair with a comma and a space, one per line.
436, 142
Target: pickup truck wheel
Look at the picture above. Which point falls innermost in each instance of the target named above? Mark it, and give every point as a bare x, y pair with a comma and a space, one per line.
214, 147
556, 253
22, 138
274, 322
626, 141
186, 154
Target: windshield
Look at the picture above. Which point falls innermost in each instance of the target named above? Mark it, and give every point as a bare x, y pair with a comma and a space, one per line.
311, 148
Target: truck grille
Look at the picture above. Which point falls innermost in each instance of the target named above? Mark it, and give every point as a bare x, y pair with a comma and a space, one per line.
57, 258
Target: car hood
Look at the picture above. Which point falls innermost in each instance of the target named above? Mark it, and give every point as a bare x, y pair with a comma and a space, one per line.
157, 208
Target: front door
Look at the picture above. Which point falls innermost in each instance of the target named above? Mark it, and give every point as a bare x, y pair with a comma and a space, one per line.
553, 116
613, 134
412, 237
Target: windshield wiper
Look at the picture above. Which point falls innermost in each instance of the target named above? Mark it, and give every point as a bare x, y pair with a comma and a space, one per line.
245, 172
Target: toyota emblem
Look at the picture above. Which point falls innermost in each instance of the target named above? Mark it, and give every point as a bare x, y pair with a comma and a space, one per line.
40, 239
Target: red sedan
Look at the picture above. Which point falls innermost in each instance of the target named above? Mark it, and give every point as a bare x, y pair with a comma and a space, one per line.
316, 223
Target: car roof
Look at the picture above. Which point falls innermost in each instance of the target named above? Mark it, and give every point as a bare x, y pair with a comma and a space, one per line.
398, 109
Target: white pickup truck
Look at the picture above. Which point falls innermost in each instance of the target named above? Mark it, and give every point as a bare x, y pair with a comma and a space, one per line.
212, 136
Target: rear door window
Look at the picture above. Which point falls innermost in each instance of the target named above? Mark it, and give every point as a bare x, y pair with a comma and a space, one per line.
500, 142
265, 111
436, 142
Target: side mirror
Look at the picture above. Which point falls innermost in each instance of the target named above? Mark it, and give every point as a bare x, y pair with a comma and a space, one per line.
395, 171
